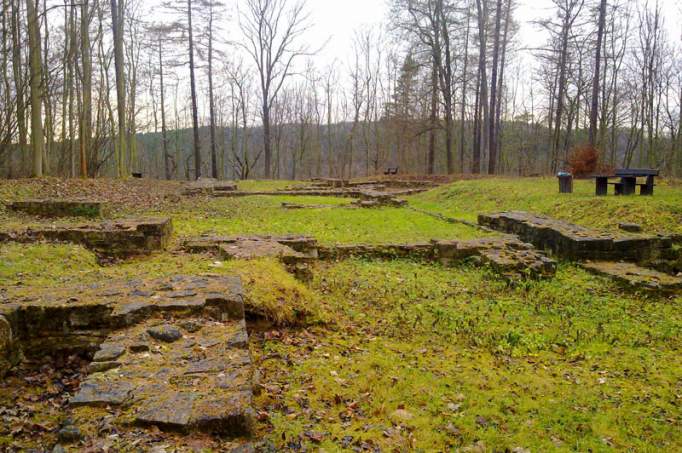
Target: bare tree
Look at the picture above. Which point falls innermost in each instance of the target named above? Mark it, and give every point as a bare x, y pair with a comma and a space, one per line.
272, 30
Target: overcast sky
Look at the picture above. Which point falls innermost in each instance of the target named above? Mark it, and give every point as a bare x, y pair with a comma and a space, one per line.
338, 20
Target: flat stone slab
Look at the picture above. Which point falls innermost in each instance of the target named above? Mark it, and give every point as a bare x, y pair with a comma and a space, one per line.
59, 208
171, 353
253, 249
256, 246
81, 317
199, 382
109, 240
635, 276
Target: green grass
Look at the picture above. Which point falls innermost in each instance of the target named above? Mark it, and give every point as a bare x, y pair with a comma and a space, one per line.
564, 365
466, 199
264, 215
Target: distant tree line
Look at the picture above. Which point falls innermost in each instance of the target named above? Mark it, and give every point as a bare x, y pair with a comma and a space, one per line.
106, 88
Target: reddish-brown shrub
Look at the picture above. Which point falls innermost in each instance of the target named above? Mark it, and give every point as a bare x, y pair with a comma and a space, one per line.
584, 161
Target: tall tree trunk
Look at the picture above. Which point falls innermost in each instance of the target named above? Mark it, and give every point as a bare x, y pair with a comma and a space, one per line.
431, 161
447, 93
47, 98
86, 120
117, 24
267, 150
462, 127
19, 82
500, 83
34, 44
482, 104
492, 161
211, 101
164, 132
195, 111
594, 112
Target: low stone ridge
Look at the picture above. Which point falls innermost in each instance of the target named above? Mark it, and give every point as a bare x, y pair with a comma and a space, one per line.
579, 243
208, 186
59, 208
294, 206
508, 256
374, 198
109, 240
306, 246
329, 182
630, 227
296, 252
396, 183
172, 352
635, 276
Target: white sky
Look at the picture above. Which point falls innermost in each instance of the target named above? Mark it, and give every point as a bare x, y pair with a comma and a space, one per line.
338, 20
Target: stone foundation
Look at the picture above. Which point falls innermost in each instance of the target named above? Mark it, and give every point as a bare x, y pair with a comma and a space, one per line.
171, 353
507, 256
579, 243
109, 240
296, 252
59, 208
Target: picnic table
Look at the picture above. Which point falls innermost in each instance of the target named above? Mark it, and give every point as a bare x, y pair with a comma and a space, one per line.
628, 181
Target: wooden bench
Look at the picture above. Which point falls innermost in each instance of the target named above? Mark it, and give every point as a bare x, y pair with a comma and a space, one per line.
629, 177
628, 182
391, 171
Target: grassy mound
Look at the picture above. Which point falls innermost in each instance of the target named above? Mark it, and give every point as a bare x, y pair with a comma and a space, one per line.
466, 199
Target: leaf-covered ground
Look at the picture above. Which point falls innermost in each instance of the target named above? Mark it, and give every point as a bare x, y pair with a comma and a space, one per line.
402, 355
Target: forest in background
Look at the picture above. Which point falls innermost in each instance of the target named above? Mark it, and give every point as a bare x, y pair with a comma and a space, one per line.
95, 88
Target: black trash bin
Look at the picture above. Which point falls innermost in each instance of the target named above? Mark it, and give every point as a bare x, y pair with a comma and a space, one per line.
565, 182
